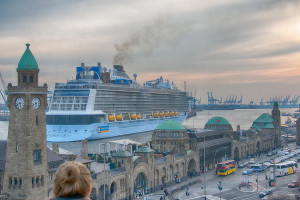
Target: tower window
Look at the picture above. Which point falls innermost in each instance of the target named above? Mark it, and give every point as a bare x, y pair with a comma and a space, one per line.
37, 181
37, 157
20, 183
10, 182
17, 147
37, 120
24, 79
16, 181
42, 180
32, 182
31, 79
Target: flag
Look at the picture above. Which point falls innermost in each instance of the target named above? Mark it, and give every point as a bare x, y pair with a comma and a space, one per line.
218, 121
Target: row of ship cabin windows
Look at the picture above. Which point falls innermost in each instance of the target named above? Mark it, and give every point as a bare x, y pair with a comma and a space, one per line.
172, 134
68, 106
69, 99
17, 183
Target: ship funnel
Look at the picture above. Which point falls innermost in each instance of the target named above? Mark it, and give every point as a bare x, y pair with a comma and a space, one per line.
104, 69
82, 65
134, 76
119, 68
115, 71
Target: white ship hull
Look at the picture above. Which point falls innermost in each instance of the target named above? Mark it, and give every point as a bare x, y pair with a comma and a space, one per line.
69, 133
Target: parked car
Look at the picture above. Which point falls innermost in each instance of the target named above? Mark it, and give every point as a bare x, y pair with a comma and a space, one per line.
293, 184
247, 171
264, 193
252, 160
269, 153
242, 164
267, 164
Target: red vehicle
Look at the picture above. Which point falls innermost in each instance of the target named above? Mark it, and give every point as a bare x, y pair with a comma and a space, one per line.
293, 184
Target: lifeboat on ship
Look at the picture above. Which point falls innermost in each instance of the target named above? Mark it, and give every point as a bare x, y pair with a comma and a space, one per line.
175, 113
119, 117
166, 114
132, 116
171, 114
155, 115
111, 118
139, 116
161, 114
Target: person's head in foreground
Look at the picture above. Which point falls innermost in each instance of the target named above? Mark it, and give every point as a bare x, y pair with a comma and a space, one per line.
72, 180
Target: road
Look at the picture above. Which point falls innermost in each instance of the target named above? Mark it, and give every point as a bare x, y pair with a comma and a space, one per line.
230, 183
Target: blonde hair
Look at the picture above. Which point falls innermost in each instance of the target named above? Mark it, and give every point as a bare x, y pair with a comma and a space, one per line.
72, 179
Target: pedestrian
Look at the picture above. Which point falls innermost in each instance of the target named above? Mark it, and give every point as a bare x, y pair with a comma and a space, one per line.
72, 181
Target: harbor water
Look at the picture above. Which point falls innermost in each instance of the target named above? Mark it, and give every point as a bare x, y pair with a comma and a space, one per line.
242, 117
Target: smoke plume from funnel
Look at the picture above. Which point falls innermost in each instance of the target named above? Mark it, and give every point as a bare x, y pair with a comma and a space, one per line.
145, 40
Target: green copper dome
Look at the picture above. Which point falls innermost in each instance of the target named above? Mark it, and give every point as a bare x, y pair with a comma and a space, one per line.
144, 149
265, 120
28, 61
217, 121
169, 125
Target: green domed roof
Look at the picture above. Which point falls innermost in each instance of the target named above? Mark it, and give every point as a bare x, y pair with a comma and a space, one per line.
144, 149
169, 125
28, 61
218, 121
265, 118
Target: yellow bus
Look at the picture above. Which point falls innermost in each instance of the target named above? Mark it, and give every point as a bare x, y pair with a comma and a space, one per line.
226, 167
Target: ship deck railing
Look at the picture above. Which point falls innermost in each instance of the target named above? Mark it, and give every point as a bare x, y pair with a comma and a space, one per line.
105, 85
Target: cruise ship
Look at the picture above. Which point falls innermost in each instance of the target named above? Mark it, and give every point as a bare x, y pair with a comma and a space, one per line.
101, 103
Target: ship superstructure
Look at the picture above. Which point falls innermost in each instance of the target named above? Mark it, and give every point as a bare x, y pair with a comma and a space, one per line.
102, 103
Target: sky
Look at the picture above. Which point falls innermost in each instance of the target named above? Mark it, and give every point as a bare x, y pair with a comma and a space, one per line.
248, 48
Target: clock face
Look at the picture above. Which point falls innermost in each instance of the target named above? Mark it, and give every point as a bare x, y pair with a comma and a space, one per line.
36, 103
19, 103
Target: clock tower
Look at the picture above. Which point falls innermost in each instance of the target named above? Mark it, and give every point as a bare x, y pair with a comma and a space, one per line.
26, 168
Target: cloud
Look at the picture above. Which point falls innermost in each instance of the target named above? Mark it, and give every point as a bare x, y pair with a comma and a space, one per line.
220, 45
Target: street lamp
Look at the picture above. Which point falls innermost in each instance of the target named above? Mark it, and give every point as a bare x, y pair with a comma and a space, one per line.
216, 154
104, 166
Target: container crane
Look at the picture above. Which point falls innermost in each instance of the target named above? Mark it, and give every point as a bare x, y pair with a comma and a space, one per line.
3, 89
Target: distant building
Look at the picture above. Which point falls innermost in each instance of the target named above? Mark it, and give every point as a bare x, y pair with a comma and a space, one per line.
219, 124
170, 137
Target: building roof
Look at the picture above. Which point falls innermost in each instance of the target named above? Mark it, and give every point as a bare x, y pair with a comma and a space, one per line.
168, 125
217, 121
53, 159
27, 61
144, 149
265, 118
121, 154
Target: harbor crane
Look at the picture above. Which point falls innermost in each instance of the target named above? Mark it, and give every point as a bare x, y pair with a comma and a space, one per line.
3, 89
211, 99
240, 101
